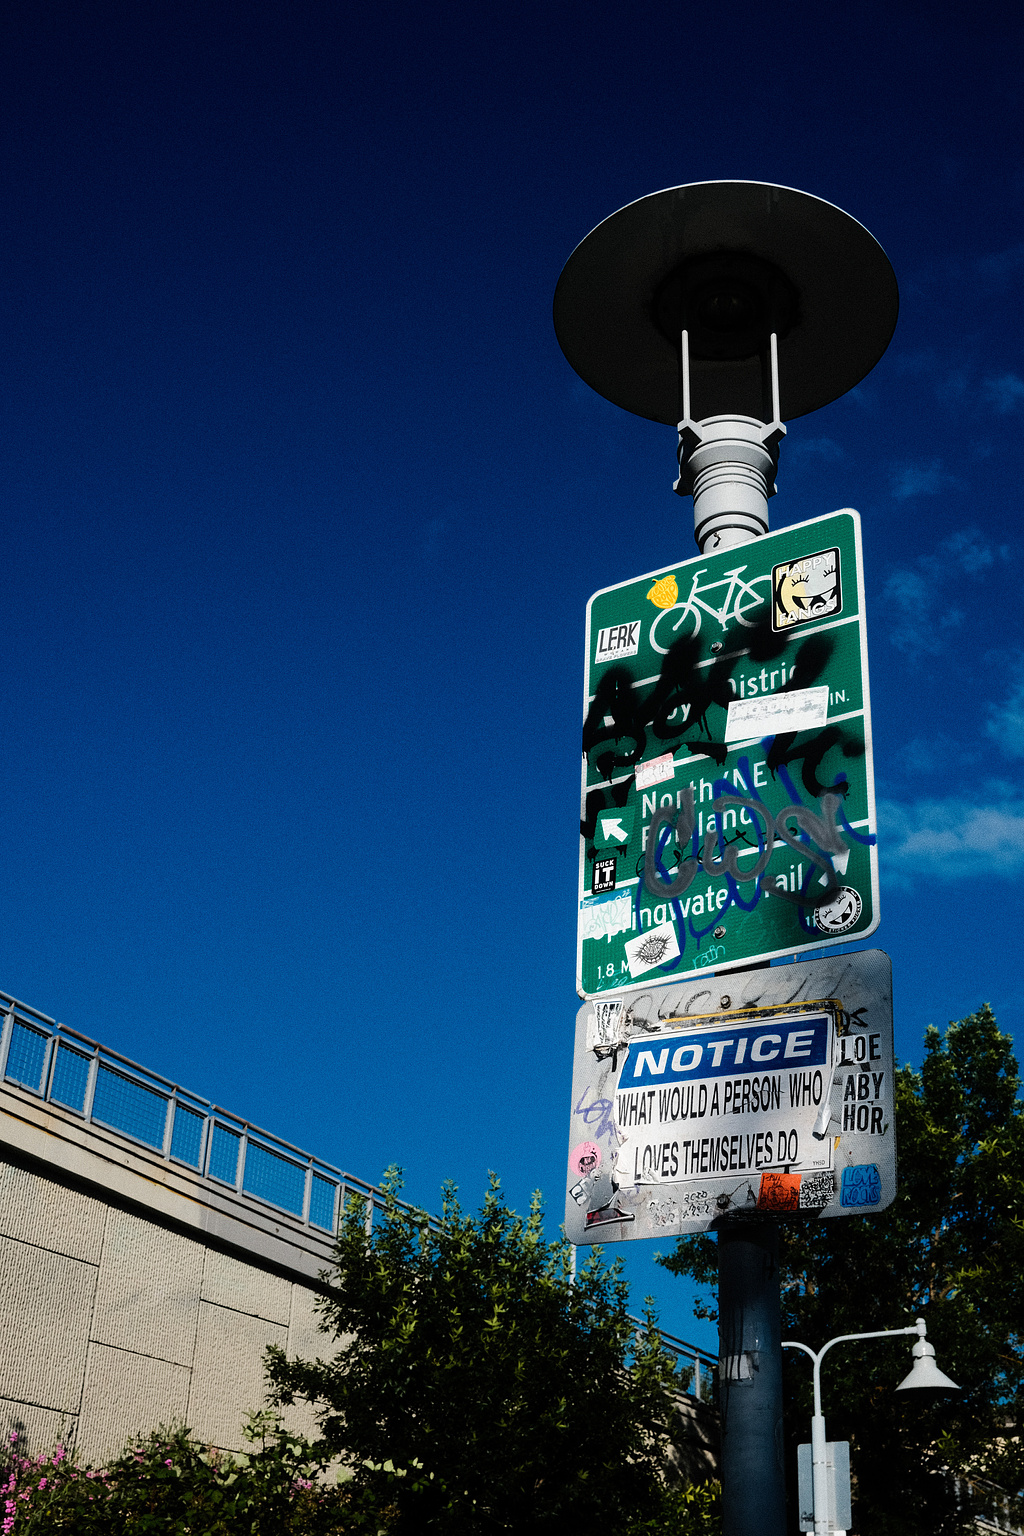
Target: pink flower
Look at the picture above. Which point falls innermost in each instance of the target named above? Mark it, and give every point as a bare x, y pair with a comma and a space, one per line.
42, 1482
168, 1463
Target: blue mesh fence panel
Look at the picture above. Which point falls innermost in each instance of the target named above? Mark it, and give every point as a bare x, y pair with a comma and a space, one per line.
27, 1056
224, 1146
321, 1203
129, 1106
274, 1178
70, 1078
187, 1135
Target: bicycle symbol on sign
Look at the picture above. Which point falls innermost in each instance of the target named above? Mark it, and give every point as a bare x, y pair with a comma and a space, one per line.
740, 597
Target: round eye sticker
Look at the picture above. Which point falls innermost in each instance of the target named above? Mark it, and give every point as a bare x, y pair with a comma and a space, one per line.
584, 1159
839, 914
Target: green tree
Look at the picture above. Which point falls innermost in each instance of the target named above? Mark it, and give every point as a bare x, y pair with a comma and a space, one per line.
526, 1402
951, 1250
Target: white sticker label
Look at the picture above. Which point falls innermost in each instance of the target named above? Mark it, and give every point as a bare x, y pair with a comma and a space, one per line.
805, 709
660, 768
603, 917
655, 947
604, 1025
618, 641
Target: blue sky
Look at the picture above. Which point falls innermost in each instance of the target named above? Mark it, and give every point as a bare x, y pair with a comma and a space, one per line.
302, 507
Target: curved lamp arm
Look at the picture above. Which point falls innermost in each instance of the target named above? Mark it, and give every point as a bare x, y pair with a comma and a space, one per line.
920, 1328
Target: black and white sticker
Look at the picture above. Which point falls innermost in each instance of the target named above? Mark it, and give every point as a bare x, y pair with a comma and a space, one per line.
841, 913
604, 875
618, 641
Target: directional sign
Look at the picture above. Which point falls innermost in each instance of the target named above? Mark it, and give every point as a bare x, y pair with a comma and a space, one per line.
692, 1105
728, 798
613, 828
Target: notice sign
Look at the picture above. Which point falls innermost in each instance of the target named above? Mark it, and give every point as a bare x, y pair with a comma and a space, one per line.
772, 1099
734, 1101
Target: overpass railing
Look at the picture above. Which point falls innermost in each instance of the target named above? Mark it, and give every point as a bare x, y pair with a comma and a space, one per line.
107, 1089
104, 1088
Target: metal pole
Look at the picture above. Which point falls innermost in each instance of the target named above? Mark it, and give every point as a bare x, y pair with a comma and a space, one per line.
819, 1462
750, 1366
749, 1312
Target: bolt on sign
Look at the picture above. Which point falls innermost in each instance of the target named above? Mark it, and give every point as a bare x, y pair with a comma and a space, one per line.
692, 1105
728, 808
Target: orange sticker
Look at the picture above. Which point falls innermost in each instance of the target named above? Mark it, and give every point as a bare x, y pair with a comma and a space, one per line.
664, 593
779, 1192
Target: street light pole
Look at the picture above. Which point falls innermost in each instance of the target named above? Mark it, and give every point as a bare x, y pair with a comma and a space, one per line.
750, 1379
695, 306
924, 1374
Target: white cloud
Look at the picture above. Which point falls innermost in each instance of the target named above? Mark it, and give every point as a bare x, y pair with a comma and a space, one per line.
1005, 392
945, 838
915, 620
951, 387
1001, 265
931, 754
1005, 723
919, 614
920, 480
970, 552
816, 447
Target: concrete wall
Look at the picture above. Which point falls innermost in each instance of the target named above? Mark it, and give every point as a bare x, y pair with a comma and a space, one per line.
134, 1293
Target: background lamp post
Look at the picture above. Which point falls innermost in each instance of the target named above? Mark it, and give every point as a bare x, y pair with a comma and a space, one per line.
924, 1374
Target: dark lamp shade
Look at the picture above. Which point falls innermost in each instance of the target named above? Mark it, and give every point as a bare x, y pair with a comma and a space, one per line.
733, 261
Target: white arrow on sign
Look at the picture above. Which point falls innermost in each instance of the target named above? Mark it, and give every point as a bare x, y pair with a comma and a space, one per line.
839, 863
611, 826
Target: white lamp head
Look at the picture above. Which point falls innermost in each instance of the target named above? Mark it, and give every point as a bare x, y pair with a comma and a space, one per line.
925, 1372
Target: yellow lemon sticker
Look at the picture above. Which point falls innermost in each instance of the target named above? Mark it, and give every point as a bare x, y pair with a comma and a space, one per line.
664, 593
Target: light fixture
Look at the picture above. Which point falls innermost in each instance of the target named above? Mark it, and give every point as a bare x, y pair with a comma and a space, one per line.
925, 1373
725, 308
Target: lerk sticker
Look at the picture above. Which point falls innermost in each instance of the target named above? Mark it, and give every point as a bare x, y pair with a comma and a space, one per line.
619, 641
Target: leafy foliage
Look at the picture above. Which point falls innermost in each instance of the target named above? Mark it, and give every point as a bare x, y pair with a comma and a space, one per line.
951, 1250
530, 1403
695, 1510
168, 1484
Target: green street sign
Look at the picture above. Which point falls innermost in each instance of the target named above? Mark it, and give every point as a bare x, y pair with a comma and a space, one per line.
728, 808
